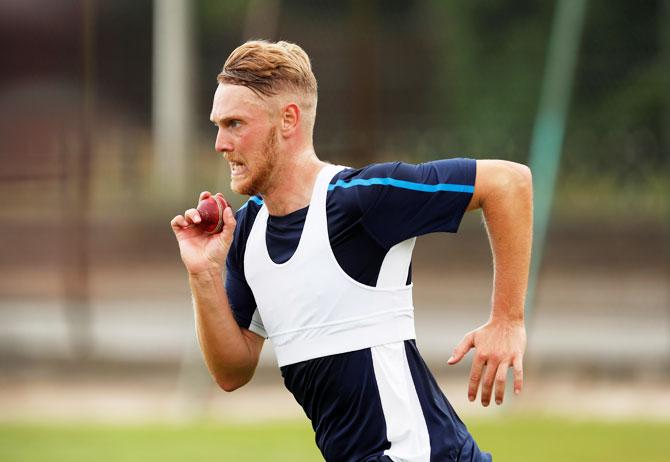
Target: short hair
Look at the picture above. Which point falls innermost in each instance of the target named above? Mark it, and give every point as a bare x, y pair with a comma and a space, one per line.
269, 68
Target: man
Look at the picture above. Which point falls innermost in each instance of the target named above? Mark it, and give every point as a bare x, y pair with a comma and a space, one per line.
318, 261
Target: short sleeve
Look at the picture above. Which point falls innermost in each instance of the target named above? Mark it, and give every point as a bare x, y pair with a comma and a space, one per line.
240, 297
399, 200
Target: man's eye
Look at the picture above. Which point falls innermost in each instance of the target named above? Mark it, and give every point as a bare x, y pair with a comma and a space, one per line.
234, 123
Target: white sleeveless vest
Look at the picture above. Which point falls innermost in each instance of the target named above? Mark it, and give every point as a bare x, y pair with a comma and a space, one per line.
309, 307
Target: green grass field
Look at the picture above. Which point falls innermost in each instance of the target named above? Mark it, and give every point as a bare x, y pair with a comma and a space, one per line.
510, 439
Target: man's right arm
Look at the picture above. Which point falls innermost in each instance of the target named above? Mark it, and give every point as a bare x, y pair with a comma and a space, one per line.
230, 351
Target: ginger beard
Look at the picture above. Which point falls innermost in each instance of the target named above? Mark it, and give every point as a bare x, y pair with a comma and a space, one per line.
260, 173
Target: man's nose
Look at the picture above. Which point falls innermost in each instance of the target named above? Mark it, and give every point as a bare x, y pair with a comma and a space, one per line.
222, 143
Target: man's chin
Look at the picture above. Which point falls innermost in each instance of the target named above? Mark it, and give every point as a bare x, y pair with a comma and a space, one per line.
242, 187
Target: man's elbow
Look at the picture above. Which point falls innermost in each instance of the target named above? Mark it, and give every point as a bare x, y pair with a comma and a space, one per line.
517, 178
521, 173
498, 180
230, 383
227, 385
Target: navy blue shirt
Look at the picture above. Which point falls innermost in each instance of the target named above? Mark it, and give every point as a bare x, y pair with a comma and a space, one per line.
369, 210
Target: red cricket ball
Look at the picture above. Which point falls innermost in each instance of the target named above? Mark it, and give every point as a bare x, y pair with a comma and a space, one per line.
211, 211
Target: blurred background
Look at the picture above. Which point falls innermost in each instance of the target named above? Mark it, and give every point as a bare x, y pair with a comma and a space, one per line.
105, 136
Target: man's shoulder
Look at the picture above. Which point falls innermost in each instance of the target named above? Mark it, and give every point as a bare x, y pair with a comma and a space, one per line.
363, 173
345, 184
245, 217
404, 175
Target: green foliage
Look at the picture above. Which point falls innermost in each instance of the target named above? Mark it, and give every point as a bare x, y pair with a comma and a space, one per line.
215, 15
489, 75
491, 65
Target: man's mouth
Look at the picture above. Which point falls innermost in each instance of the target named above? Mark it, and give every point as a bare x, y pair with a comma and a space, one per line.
237, 169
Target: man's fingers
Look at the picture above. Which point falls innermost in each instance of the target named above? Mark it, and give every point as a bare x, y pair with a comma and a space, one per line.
204, 195
192, 216
475, 376
229, 224
518, 373
501, 379
487, 382
229, 217
178, 222
462, 348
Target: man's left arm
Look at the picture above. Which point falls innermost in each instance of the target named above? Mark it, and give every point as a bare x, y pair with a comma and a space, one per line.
503, 190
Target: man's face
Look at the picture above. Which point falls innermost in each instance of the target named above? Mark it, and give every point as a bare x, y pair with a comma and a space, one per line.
246, 136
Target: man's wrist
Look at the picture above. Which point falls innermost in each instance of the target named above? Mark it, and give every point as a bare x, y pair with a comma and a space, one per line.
507, 318
207, 275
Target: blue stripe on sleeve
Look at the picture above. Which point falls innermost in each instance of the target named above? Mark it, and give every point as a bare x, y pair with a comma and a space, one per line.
403, 184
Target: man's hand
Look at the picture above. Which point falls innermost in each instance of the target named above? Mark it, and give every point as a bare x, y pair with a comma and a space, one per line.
499, 344
199, 250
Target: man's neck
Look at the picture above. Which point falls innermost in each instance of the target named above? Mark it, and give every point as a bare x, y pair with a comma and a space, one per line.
292, 189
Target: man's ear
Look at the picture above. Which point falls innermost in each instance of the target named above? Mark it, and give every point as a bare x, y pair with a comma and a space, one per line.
290, 119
